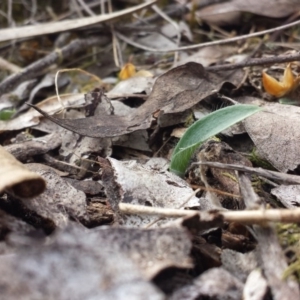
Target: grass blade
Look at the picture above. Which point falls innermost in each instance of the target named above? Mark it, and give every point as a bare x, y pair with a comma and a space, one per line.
205, 128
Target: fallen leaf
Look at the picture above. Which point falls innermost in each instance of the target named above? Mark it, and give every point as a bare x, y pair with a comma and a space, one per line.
215, 283
16, 179
239, 264
91, 264
133, 85
275, 132
175, 91
60, 200
127, 71
37, 146
51, 105
131, 182
288, 195
228, 12
280, 88
209, 55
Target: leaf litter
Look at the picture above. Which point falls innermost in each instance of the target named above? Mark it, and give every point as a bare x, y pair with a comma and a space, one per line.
102, 155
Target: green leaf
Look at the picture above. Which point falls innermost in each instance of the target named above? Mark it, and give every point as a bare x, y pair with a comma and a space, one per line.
205, 128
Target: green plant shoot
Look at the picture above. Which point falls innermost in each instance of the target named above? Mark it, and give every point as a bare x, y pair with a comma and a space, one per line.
205, 128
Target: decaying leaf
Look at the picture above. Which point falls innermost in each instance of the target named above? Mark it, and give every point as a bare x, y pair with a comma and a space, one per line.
215, 283
175, 91
228, 12
60, 201
101, 264
275, 132
10, 224
131, 182
288, 195
36, 146
51, 105
15, 178
75, 147
239, 264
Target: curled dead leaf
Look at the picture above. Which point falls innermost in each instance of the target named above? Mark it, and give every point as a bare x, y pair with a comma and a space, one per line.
280, 88
16, 179
127, 71
175, 91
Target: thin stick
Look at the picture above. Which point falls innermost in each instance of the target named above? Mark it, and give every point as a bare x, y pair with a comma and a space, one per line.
213, 43
287, 178
256, 62
180, 206
241, 216
39, 66
174, 24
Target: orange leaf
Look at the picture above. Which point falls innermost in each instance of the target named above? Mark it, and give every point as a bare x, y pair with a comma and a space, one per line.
280, 88
127, 71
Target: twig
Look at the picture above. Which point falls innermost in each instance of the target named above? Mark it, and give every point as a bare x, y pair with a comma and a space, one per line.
256, 62
86, 8
213, 43
180, 206
286, 178
174, 24
246, 217
38, 66
6, 65
113, 96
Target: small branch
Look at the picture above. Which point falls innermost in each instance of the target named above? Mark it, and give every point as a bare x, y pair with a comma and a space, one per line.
256, 62
285, 178
213, 43
242, 216
40, 65
132, 209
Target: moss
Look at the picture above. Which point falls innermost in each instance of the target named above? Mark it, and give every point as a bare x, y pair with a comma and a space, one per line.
232, 177
289, 238
260, 162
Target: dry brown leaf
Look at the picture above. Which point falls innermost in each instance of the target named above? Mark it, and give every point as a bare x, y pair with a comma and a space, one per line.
16, 179
229, 11
276, 133
48, 28
175, 91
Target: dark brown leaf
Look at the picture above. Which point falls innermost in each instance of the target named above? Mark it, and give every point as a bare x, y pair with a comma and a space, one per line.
175, 91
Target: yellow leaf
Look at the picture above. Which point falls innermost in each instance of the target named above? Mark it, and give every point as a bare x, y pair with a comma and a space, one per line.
127, 71
280, 88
